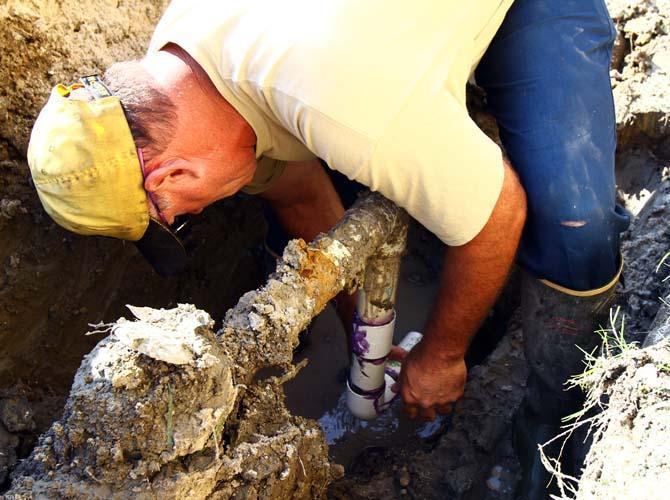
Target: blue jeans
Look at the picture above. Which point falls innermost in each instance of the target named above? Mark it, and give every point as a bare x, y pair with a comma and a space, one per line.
546, 76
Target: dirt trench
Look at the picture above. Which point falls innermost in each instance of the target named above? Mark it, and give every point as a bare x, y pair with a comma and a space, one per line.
53, 284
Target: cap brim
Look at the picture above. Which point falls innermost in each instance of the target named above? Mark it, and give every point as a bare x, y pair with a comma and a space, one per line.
163, 249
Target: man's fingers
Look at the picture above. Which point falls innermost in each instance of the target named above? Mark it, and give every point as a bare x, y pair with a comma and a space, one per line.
397, 353
428, 413
411, 411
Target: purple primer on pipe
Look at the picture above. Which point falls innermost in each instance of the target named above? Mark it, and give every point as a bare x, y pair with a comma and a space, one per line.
374, 395
359, 334
359, 341
376, 362
370, 346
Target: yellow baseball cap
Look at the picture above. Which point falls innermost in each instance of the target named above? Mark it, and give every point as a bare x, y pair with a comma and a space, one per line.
85, 167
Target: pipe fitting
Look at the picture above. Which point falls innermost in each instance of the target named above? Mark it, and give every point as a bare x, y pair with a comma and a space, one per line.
371, 400
370, 346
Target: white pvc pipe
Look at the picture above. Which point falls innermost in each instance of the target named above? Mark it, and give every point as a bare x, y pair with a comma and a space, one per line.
371, 345
368, 403
407, 343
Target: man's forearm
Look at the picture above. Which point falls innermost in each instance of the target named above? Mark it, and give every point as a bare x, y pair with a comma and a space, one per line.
306, 204
472, 277
469, 286
305, 201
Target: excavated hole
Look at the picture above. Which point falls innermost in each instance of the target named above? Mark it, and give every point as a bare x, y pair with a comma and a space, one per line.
53, 284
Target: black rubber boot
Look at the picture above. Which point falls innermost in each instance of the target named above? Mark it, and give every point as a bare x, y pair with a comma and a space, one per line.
555, 322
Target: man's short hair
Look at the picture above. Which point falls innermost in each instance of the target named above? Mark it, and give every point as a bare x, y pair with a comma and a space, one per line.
150, 113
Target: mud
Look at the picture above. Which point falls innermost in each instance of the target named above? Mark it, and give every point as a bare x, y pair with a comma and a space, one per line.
53, 284
454, 457
150, 411
645, 243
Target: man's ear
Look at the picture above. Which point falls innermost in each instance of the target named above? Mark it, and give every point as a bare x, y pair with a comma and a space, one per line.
166, 175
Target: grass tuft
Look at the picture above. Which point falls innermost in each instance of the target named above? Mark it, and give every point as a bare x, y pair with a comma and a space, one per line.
598, 363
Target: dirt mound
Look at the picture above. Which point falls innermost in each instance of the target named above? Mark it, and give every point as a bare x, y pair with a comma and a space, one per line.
627, 413
144, 420
641, 71
630, 456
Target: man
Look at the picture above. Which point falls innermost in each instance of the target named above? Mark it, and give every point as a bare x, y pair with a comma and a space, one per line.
246, 95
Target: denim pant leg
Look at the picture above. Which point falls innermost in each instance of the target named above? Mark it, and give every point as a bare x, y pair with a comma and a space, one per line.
546, 75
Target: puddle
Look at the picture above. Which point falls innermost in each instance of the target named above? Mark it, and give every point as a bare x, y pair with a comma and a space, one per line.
318, 391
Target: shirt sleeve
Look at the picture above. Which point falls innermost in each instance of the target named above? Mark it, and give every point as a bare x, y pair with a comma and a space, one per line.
268, 170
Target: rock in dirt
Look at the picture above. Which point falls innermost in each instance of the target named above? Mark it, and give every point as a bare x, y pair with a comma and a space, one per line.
404, 477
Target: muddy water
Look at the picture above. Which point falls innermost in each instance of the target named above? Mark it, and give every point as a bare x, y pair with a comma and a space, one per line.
318, 391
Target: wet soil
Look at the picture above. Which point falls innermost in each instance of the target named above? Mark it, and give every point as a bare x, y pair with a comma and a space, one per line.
380, 456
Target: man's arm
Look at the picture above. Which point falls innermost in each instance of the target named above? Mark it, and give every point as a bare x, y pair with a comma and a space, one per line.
433, 373
306, 204
304, 200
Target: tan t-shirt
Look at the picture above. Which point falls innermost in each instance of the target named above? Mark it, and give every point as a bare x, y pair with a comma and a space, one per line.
376, 88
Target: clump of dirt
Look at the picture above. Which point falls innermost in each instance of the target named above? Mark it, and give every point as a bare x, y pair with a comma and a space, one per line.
645, 243
150, 411
53, 284
149, 416
641, 69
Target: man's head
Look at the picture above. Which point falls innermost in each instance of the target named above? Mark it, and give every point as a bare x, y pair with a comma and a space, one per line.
84, 148
206, 151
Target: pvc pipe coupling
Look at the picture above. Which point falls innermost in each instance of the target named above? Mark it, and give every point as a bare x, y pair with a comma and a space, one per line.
371, 376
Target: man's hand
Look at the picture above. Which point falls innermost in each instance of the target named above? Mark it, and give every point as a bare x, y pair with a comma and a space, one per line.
429, 385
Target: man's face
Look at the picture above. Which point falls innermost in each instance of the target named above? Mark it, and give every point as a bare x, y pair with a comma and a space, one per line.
203, 163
